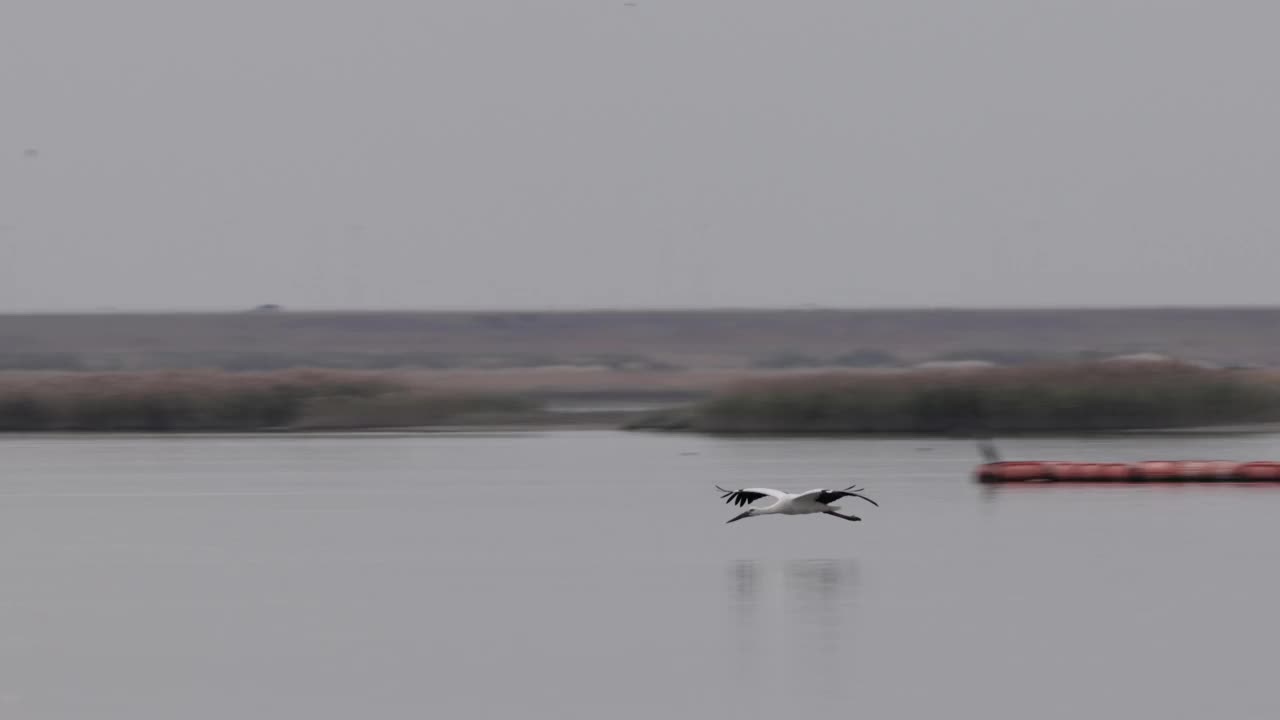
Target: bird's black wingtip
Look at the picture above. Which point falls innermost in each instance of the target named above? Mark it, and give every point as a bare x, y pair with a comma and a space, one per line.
856, 491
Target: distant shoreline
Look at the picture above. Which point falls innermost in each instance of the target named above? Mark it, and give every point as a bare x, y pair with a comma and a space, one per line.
1062, 399
1081, 398
644, 341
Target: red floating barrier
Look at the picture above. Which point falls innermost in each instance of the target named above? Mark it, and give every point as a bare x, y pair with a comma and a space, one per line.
1118, 472
1205, 471
1156, 470
1225, 470
1100, 472
1066, 470
1149, 471
1259, 471
1012, 472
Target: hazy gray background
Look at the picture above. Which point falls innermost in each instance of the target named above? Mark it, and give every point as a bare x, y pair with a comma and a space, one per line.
567, 153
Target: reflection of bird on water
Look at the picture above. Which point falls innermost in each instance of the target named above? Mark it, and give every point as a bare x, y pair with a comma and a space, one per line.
796, 614
746, 580
819, 603
809, 582
822, 581
785, 503
814, 588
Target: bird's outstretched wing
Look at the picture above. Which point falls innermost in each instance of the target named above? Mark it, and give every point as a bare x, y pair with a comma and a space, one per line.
747, 495
830, 496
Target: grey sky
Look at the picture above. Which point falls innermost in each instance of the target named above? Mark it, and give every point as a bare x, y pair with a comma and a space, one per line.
569, 153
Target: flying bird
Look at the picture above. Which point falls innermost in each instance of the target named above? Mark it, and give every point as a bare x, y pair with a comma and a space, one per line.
785, 503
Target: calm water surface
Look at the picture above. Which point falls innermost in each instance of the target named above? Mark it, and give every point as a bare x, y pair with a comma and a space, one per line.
591, 575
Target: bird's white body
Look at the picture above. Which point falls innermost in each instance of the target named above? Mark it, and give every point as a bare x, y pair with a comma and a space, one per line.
784, 503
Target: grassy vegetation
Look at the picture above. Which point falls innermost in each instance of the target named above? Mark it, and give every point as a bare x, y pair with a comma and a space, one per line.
368, 359
1061, 398
871, 358
214, 400
1076, 397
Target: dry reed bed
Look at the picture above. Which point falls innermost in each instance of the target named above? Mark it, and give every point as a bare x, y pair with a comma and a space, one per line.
1059, 398
216, 400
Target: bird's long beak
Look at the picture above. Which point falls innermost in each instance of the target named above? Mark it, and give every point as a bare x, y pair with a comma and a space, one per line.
745, 514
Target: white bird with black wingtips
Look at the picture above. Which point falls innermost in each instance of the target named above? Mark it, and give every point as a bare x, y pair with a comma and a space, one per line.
785, 503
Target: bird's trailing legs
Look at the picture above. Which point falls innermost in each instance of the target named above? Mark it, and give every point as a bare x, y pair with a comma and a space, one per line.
852, 518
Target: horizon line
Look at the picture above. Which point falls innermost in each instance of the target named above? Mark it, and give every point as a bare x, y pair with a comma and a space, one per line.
321, 310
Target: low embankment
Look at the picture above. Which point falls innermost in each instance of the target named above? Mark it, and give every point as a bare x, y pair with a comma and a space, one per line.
1062, 398
222, 401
